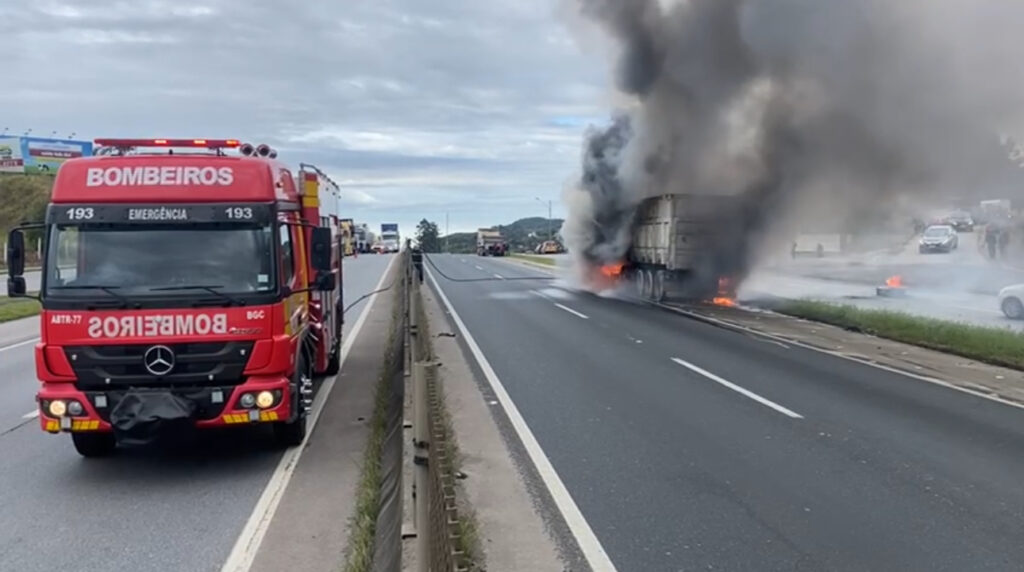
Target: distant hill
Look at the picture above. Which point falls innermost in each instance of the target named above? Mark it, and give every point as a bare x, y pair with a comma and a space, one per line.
522, 235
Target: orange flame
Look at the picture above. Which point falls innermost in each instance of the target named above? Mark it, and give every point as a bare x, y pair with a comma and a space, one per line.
612, 270
894, 281
726, 296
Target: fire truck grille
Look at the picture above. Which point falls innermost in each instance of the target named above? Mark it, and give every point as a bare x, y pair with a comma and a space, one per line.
194, 364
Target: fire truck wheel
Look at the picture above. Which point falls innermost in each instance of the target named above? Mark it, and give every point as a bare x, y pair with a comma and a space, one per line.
334, 359
94, 444
292, 433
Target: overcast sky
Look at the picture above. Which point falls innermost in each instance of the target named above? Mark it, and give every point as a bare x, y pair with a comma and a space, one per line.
416, 108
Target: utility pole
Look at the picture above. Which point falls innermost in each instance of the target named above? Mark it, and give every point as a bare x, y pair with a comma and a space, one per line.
551, 235
447, 232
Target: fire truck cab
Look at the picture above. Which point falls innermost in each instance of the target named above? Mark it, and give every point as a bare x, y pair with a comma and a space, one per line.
182, 291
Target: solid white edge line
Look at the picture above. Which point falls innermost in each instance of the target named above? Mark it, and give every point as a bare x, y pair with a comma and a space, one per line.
738, 389
19, 344
571, 311
578, 526
248, 543
31, 414
739, 327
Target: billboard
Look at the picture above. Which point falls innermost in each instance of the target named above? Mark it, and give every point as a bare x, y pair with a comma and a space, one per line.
39, 155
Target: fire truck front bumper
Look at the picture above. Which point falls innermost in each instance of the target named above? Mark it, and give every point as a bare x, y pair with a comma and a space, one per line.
138, 415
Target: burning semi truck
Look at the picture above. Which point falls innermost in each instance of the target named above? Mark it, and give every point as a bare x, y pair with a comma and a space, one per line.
182, 290
683, 246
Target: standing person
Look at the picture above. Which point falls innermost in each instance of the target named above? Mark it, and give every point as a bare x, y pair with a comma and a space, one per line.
1004, 241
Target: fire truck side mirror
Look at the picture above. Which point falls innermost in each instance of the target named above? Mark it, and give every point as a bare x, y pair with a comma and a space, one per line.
326, 281
320, 249
15, 253
16, 287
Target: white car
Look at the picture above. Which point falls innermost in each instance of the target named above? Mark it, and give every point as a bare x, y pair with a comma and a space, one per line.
1011, 301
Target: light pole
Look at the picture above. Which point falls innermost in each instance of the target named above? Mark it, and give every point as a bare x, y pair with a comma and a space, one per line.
447, 232
550, 222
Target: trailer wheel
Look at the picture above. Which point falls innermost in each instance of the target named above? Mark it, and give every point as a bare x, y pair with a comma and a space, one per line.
638, 280
94, 444
648, 289
659, 286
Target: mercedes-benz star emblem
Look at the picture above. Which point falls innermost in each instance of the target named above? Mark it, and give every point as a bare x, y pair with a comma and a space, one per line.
159, 360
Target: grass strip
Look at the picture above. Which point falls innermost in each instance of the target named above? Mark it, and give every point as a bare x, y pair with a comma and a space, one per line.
17, 308
1003, 347
363, 526
546, 260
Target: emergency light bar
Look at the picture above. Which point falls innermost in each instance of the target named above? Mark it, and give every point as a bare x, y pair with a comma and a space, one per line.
201, 143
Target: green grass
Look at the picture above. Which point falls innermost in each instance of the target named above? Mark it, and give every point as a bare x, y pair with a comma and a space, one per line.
1002, 347
547, 260
17, 308
363, 527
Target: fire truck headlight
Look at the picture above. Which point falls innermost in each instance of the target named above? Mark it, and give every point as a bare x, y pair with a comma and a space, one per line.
58, 408
75, 408
247, 400
265, 399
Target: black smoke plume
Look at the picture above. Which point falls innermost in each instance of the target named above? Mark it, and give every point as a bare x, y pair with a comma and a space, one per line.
810, 110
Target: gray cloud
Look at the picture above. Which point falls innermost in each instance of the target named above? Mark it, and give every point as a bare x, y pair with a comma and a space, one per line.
418, 108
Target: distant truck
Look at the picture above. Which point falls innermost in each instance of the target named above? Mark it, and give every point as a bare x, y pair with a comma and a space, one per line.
362, 238
347, 237
389, 237
490, 242
678, 246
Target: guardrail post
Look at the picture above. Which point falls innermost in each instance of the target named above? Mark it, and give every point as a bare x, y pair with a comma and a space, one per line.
421, 459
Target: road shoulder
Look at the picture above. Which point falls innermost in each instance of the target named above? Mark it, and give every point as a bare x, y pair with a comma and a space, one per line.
310, 529
990, 381
512, 532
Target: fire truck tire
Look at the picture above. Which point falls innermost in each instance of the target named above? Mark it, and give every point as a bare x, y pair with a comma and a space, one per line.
292, 433
334, 358
94, 444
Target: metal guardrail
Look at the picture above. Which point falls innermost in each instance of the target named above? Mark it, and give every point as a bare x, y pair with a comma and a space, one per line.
435, 510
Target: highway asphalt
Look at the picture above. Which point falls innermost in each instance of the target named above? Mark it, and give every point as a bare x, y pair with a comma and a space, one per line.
691, 447
165, 510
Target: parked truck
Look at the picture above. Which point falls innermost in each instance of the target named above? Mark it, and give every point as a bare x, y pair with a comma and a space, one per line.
685, 246
347, 237
180, 291
490, 242
390, 241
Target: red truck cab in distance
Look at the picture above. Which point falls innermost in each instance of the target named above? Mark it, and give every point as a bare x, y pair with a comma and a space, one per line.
181, 290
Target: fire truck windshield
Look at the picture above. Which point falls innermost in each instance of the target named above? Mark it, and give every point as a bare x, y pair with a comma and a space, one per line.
159, 260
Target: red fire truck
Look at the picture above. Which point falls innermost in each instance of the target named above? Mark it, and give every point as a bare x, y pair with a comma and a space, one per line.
182, 289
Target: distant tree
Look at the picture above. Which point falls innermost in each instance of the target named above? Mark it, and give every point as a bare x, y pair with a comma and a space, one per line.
427, 236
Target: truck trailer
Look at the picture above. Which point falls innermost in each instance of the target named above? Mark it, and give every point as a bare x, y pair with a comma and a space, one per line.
180, 291
490, 242
685, 246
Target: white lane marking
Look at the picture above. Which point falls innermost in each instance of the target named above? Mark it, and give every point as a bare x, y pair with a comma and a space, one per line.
578, 526
248, 543
477, 267
741, 328
738, 389
571, 311
499, 276
31, 414
463, 260
19, 344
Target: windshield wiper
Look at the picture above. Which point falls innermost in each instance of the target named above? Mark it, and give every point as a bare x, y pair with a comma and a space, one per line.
107, 289
211, 289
